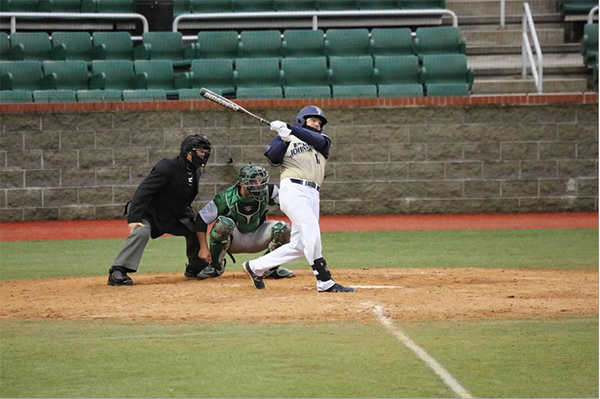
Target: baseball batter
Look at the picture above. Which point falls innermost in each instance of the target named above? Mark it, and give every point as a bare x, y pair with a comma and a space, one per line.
301, 151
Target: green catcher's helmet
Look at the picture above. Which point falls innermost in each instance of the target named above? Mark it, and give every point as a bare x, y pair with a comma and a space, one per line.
254, 178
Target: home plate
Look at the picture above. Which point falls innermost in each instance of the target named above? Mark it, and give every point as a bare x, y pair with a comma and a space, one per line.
378, 287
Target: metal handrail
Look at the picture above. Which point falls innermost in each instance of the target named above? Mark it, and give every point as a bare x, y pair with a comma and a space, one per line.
538, 75
70, 15
314, 15
591, 15
503, 14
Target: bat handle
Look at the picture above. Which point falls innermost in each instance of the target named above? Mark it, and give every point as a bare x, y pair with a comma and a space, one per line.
266, 122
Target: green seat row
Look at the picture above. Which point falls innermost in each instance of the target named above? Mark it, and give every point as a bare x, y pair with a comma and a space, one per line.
589, 45
578, 6
70, 96
96, 6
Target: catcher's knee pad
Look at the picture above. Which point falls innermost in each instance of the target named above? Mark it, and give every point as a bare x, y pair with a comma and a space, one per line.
280, 235
220, 239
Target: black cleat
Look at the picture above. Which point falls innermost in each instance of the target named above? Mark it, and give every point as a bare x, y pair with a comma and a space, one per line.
118, 276
339, 288
258, 282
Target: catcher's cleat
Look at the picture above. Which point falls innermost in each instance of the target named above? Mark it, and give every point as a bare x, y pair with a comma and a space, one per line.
279, 273
258, 282
118, 276
338, 288
209, 272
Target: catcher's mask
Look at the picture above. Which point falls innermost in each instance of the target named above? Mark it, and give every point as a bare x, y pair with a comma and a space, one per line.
193, 142
254, 179
311, 111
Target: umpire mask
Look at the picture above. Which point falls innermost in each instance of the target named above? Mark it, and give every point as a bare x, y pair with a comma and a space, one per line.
190, 143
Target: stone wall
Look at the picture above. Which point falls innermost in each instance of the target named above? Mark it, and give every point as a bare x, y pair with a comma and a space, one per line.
419, 159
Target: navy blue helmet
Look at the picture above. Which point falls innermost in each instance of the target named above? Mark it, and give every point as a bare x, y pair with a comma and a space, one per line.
310, 111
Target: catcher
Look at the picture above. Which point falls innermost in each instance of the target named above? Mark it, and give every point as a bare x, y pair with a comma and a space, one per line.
240, 212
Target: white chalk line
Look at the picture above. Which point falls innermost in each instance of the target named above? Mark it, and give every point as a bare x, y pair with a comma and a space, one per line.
433, 364
378, 287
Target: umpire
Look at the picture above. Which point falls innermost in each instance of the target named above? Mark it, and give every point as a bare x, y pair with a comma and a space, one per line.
162, 204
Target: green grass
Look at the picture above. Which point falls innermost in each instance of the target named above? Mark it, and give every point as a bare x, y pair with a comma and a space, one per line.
560, 248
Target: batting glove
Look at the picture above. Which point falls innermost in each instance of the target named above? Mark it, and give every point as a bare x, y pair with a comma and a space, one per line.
276, 125
284, 133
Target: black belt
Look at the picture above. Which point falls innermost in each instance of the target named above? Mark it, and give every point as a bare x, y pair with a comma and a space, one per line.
306, 183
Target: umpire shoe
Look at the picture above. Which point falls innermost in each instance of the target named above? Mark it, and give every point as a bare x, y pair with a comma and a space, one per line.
279, 273
258, 282
338, 288
118, 276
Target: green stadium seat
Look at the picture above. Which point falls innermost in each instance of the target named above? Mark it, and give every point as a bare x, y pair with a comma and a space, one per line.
392, 41
347, 42
75, 46
144, 95
165, 46
156, 75
253, 5
54, 96
589, 44
113, 45
303, 43
203, 6
422, 4
578, 6
7, 52
15, 96
60, 5
116, 75
258, 78
330, 5
260, 44
19, 5
213, 74
190, 94
447, 75
23, 75
181, 7
378, 4
217, 45
67, 75
96, 96
36, 46
352, 77
115, 6
305, 77
439, 40
295, 5
398, 76
595, 74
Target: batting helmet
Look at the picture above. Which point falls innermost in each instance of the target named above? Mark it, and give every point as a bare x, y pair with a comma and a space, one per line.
196, 141
308, 112
254, 178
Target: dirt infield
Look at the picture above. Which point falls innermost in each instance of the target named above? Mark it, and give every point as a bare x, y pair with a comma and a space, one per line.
406, 294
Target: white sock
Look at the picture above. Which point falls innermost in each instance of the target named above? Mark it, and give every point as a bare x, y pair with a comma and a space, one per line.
324, 285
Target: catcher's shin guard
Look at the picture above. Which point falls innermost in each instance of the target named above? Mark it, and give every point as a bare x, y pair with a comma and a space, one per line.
220, 240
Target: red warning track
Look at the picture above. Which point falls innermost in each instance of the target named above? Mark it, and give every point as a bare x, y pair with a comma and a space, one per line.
90, 229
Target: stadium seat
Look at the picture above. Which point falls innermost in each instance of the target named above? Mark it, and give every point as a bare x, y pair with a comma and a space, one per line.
67, 75
447, 75
95, 96
156, 75
19, 5
115, 6
578, 6
213, 74
182, 7
113, 45
329, 5
36, 46
59, 5
378, 4
15, 96
295, 5
116, 75
75, 46
23, 75
398, 76
439, 40
144, 95
202, 6
7, 52
217, 45
305, 77
260, 44
165, 46
352, 77
392, 41
258, 78
347, 42
303, 43
54, 96
589, 44
190, 95
253, 5
422, 4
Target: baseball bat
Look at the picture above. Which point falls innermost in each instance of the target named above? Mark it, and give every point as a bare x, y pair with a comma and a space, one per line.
214, 97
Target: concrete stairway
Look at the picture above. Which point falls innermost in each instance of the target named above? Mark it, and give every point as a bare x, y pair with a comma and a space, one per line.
495, 53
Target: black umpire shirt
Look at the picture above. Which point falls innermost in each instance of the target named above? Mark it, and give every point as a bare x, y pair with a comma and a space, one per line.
165, 196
